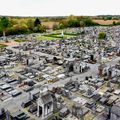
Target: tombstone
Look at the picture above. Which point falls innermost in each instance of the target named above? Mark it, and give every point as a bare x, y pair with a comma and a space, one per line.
92, 57
30, 96
94, 109
77, 110
8, 117
100, 69
86, 78
62, 34
110, 72
45, 104
27, 61
89, 91
105, 72
109, 84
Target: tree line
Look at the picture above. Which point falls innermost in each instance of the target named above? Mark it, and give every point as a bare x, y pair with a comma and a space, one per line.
13, 26
74, 21
20, 25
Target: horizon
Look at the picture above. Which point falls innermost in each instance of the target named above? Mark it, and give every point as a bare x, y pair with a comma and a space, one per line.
57, 16
52, 8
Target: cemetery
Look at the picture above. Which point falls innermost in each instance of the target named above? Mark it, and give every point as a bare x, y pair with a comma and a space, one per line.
56, 75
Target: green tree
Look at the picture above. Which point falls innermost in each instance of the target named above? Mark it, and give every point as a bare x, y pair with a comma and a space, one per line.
62, 25
89, 22
109, 17
40, 28
30, 24
114, 23
82, 24
13, 21
73, 23
55, 26
4, 24
37, 22
102, 35
17, 29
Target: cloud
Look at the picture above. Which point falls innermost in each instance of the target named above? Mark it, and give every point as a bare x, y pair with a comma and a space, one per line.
58, 7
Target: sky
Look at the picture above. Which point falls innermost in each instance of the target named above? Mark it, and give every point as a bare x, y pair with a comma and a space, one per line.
59, 7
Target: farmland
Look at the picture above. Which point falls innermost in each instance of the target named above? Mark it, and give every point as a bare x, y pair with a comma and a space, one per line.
106, 22
101, 22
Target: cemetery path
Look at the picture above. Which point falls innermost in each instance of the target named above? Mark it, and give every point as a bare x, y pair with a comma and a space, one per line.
92, 72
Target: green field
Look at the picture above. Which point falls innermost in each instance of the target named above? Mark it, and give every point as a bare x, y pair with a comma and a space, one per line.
20, 40
55, 36
45, 38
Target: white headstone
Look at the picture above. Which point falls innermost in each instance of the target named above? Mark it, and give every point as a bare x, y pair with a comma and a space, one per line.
62, 34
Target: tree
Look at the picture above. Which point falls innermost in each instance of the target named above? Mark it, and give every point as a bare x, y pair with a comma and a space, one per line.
102, 35
89, 22
30, 24
82, 24
55, 27
40, 28
109, 17
37, 22
17, 29
61, 26
114, 23
13, 21
4, 23
73, 23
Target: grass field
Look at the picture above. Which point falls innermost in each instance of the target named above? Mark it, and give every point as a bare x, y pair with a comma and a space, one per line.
20, 40
55, 36
45, 38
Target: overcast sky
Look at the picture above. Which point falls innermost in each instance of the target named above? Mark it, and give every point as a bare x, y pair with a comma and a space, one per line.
59, 7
